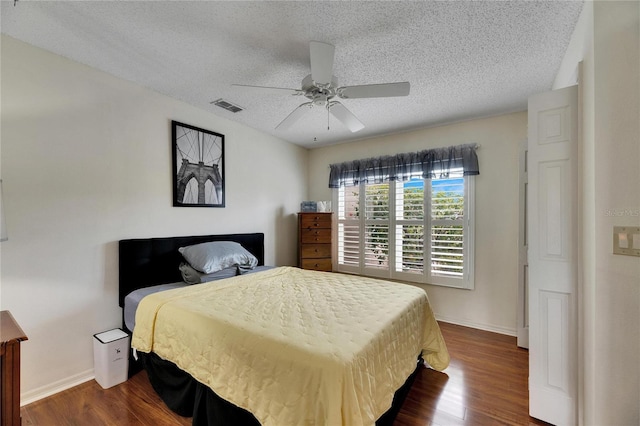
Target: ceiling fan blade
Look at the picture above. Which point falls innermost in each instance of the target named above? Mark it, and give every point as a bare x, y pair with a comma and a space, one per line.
384, 90
345, 116
295, 116
321, 61
270, 90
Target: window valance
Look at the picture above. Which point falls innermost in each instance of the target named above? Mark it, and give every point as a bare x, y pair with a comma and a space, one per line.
430, 163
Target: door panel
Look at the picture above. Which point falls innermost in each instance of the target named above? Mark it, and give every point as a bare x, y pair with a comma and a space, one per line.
552, 255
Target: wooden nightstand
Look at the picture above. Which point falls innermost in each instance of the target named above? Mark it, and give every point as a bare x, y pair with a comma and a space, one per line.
10, 337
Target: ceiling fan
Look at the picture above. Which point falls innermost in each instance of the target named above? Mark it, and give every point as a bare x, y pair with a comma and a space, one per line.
321, 88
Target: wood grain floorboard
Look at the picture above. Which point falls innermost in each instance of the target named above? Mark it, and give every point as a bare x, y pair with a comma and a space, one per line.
485, 384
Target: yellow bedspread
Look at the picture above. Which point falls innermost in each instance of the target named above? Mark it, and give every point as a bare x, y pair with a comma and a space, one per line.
295, 347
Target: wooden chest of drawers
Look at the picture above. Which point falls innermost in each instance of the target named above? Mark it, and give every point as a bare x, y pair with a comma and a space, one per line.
10, 337
314, 241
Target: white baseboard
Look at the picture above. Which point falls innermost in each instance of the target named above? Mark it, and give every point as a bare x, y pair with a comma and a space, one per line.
485, 327
55, 387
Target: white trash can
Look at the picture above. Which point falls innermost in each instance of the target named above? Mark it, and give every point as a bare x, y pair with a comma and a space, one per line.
111, 357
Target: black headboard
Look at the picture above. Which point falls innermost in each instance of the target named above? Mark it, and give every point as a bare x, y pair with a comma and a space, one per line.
152, 261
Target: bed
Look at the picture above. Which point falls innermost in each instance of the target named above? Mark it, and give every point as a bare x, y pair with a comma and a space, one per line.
276, 347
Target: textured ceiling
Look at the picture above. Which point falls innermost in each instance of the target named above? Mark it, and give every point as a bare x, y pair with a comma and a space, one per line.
463, 59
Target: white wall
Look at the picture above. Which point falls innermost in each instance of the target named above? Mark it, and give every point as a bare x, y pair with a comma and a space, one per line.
579, 43
86, 161
492, 304
615, 337
609, 48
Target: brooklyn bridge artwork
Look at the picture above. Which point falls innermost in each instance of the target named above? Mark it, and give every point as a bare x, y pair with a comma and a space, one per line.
198, 167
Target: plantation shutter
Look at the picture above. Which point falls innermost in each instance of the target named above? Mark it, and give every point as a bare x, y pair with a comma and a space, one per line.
376, 232
349, 228
409, 215
447, 232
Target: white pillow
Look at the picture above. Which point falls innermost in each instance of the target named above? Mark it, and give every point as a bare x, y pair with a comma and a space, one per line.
218, 255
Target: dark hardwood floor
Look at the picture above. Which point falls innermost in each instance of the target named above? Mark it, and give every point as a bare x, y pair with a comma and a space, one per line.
485, 384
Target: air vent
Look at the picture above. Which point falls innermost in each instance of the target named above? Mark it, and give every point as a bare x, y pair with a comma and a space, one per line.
227, 105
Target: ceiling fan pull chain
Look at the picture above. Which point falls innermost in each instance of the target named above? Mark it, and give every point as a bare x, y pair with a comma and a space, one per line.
328, 116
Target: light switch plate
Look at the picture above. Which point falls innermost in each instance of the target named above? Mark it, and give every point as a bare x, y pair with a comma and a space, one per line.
626, 240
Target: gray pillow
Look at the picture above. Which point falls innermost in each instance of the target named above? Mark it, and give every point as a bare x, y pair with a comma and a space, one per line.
191, 276
218, 255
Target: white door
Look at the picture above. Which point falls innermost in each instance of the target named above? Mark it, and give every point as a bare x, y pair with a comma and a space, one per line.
523, 264
553, 272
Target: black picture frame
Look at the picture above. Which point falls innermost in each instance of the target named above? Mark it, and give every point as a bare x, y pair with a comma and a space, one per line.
198, 166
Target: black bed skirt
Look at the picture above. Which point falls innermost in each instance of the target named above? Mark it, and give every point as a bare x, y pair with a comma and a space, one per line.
189, 398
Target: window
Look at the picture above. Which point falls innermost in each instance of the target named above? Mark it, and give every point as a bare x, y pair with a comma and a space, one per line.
418, 230
407, 216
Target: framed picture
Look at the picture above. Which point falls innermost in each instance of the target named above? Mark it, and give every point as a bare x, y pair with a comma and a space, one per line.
198, 166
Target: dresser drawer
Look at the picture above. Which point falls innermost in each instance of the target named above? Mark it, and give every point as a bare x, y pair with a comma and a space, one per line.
315, 251
317, 264
316, 235
315, 220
